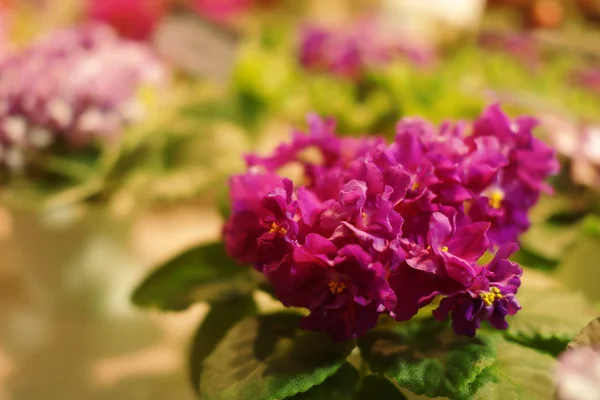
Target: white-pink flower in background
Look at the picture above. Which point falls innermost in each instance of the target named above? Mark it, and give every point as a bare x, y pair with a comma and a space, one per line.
577, 374
580, 143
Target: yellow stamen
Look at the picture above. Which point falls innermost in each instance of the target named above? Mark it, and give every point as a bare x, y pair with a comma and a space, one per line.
468, 205
491, 296
496, 196
336, 287
444, 248
275, 228
415, 186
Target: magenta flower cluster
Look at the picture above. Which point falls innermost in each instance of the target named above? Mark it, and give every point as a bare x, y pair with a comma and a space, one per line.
351, 52
375, 228
72, 86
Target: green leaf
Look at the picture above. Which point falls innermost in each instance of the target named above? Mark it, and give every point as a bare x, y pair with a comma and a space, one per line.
204, 273
588, 336
551, 315
549, 241
427, 358
580, 265
519, 373
378, 387
221, 317
591, 225
269, 357
224, 203
551, 206
342, 385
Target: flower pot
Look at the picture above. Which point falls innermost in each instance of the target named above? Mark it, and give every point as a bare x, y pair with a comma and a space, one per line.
80, 262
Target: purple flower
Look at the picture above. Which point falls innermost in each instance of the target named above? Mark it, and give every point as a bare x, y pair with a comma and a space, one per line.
374, 229
347, 294
459, 247
516, 186
74, 86
489, 298
523, 47
262, 222
443, 265
351, 52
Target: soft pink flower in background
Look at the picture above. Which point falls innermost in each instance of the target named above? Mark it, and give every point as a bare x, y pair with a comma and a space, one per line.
588, 78
578, 142
134, 19
220, 10
578, 374
351, 50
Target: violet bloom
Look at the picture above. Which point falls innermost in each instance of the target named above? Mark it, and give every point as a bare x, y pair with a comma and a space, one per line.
444, 264
374, 228
350, 52
262, 221
577, 374
490, 297
74, 86
522, 46
347, 294
517, 186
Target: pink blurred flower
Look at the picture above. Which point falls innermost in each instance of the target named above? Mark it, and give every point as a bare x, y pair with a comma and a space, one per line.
134, 19
522, 46
578, 374
220, 10
580, 143
587, 78
351, 51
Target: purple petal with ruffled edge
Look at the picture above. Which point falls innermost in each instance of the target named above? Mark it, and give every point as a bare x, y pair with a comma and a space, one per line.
385, 229
469, 241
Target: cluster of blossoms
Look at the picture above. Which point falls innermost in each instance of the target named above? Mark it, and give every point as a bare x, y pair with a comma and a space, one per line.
350, 53
73, 86
523, 47
374, 228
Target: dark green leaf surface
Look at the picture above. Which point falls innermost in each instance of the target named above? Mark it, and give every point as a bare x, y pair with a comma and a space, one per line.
204, 273
378, 387
221, 317
427, 358
269, 357
342, 385
551, 315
